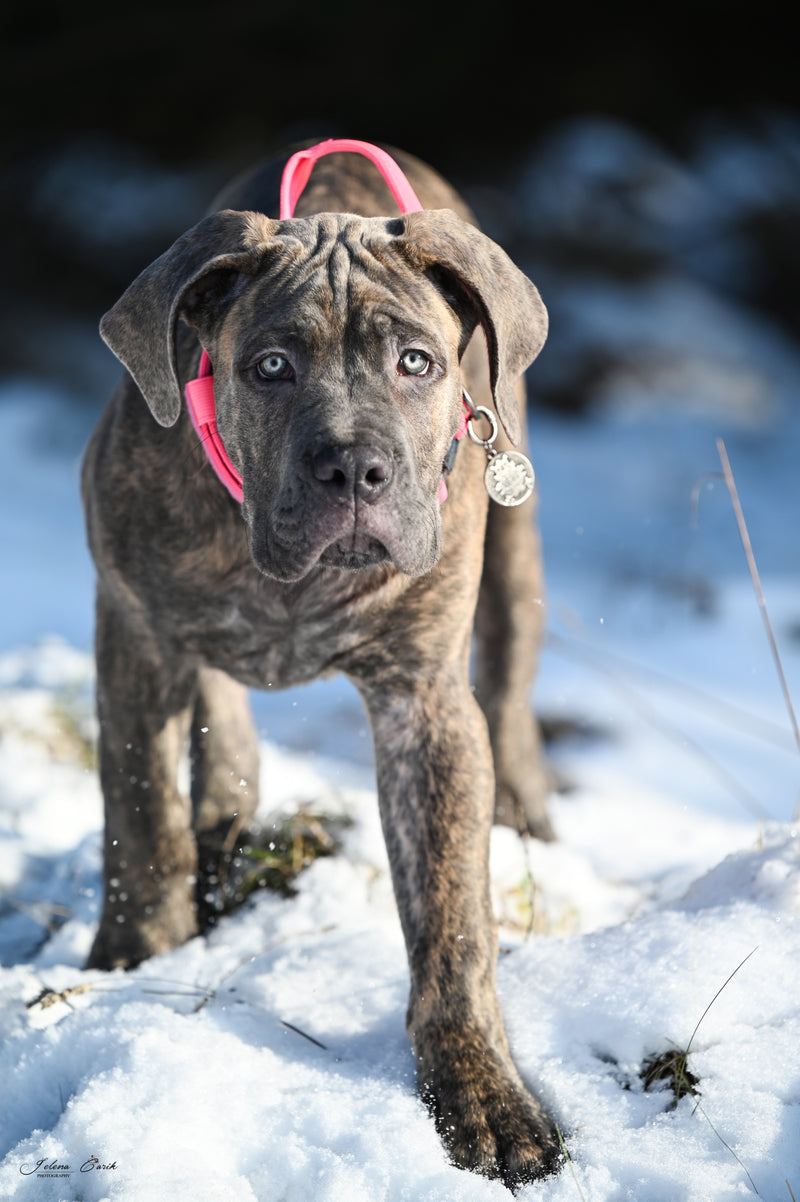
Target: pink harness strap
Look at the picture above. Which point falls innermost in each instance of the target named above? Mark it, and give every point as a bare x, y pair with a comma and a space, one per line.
298, 169
199, 392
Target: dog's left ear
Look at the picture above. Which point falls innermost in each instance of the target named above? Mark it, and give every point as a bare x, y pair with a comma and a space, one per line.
502, 298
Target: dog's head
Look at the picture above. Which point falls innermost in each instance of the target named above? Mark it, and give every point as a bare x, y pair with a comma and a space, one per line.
335, 342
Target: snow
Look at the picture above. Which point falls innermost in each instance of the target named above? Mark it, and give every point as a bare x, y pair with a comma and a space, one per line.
268, 1060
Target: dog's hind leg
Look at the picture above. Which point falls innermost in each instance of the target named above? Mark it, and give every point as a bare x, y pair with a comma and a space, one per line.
224, 757
509, 625
150, 860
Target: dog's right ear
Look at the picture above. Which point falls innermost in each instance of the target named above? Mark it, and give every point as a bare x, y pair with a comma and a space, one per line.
201, 268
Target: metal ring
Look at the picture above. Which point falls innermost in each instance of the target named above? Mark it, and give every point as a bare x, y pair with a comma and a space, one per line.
481, 411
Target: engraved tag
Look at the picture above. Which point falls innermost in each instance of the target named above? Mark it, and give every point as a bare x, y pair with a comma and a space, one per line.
509, 477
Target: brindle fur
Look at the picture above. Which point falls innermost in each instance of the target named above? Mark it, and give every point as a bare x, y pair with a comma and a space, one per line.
198, 597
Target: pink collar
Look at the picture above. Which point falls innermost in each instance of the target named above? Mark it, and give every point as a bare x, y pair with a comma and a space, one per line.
202, 408
199, 392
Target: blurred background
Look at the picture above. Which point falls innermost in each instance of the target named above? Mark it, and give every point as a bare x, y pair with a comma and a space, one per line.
641, 163
613, 142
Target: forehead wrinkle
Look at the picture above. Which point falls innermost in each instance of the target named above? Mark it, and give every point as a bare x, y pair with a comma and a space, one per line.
324, 275
337, 277
406, 309
298, 311
334, 293
339, 268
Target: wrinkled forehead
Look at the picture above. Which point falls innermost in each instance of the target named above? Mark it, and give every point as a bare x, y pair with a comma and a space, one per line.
347, 274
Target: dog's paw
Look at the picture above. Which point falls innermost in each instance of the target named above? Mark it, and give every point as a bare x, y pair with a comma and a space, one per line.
488, 1121
523, 806
522, 779
126, 944
111, 950
223, 870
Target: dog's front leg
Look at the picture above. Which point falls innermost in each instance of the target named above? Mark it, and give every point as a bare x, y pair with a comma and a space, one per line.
150, 856
437, 795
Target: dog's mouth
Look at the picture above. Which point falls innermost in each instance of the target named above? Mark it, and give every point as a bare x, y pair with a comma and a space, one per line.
287, 545
354, 554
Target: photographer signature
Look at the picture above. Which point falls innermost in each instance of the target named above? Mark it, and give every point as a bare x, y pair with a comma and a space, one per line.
54, 1168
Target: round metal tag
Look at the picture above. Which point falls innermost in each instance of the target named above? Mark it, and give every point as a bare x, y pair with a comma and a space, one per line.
509, 478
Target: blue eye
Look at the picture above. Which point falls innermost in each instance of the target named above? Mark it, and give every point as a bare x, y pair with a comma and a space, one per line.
274, 367
414, 363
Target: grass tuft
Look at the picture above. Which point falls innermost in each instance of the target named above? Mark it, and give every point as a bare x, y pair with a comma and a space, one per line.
71, 738
670, 1068
285, 850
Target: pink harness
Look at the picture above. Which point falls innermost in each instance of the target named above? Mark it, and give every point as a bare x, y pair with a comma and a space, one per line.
199, 392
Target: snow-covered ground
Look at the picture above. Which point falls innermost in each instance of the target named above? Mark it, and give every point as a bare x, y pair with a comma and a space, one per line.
677, 862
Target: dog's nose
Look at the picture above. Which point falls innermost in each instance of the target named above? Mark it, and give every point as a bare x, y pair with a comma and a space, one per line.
361, 471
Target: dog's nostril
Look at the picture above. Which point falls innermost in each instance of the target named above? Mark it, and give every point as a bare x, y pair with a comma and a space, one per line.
362, 471
326, 468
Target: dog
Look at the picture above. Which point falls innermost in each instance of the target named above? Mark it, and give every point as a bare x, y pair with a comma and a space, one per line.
346, 341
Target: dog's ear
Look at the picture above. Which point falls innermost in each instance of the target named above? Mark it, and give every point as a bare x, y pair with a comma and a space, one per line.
199, 271
501, 298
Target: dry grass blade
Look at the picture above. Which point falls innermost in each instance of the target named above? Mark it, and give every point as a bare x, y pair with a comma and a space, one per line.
721, 709
671, 1066
645, 712
694, 1032
726, 1145
716, 995
751, 563
569, 1162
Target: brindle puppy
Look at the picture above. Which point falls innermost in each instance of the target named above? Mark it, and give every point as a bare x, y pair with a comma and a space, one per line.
339, 343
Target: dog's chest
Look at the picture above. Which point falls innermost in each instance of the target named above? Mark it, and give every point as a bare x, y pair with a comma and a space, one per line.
262, 653
269, 635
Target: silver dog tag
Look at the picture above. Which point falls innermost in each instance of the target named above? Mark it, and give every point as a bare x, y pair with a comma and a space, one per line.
509, 477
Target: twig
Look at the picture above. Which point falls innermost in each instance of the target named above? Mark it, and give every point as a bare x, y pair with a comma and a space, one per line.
49, 997
185, 991
310, 1038
211, 993
46, 914
751, 563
